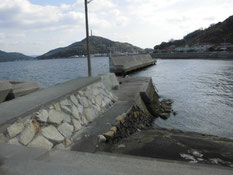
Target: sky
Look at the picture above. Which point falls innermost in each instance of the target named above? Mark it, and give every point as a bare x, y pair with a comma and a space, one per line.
34, 27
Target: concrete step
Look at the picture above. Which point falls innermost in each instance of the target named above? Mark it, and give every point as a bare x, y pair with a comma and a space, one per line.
129, 164
5, 88
88, 139
19, 160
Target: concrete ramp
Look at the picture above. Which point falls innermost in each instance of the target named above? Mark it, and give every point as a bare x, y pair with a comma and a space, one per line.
5, 88
125, 64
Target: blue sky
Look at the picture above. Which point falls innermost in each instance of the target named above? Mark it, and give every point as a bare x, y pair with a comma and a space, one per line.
34, 27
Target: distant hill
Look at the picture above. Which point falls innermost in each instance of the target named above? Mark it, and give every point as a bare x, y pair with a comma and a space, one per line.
216, 34
13, 56
98, 45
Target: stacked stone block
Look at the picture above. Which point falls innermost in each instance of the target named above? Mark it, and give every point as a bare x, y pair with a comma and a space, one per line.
56, 125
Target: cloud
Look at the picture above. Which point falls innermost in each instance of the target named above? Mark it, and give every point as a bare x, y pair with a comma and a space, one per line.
145, 23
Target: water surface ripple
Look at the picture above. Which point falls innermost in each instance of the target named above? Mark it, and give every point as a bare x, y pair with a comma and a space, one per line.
202, 90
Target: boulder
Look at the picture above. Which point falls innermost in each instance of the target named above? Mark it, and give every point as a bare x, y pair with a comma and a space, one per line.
5, 88
29, 132
15, 129
56, 116
52, 133
41, 142
42, 116
66, 129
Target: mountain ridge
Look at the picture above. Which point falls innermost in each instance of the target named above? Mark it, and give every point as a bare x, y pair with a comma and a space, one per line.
215, 34
13, 56
98, 45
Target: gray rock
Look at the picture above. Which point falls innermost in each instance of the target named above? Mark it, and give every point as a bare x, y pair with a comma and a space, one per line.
84, 102
65, 103
66, 109
84, 120
81, 93
80, 108
101, 139
96, 92
52, 133
89, 94
90, 114
3, 139
57, 107
42, 116
67, 118
98, 100
41, 142
66, 129
74, 100
15, 129
77, 124
75, 112
56, 116
60, 146
14, 141
28, 134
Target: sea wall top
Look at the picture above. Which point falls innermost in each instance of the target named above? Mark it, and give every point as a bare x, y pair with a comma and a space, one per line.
124, 64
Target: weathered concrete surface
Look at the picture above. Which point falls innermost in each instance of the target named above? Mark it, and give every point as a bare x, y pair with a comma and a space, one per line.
88, 139
22, 88
30, 161
28, 104
5, 88
193, 55
176, 145
124, 64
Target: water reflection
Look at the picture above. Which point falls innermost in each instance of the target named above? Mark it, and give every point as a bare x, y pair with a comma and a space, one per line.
202, 91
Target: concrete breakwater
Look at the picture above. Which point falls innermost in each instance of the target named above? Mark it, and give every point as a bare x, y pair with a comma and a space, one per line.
121, 65
194, 55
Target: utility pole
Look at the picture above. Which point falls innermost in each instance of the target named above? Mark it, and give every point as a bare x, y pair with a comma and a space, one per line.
87, 38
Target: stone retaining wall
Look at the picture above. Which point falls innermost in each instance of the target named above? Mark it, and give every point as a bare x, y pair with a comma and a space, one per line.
54, 126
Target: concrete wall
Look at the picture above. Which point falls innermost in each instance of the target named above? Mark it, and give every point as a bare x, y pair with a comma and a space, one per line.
188, 55
124, 64
55, 125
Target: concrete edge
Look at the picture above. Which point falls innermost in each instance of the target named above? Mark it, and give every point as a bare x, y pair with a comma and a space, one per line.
28, 104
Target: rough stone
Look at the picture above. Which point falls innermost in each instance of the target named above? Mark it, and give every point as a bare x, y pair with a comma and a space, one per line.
52, 133
15, 129
29, 132
41, 142
65, 103
121, 118
66, 109
77, 124
67, 118
114, 129
101, 139
42, 116
109, 134
84, 120
66, 129
56, 116
57, 107
60, 146
98, 100
2, 138
67, 142
74, 100
81, 93
75, 112
90, 114
14, 141
96, 92
84, 102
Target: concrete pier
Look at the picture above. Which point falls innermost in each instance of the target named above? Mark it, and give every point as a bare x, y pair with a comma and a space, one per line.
124, 64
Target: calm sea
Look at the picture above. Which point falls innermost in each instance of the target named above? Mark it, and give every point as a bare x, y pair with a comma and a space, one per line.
202, 90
